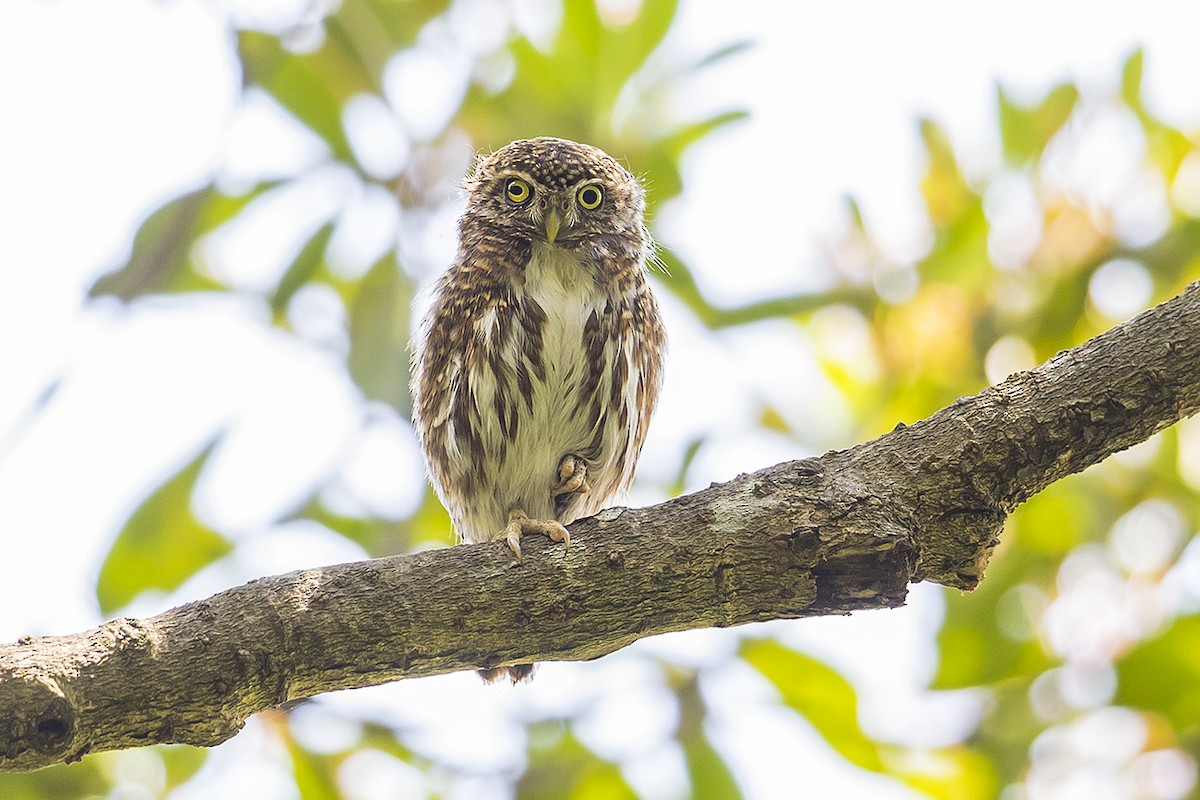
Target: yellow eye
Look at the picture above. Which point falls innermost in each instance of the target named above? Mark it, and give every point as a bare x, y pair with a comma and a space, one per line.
590, 197
517, 191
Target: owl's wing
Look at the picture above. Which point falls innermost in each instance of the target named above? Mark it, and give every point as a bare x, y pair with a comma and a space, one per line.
649, 346
435, 368
457, 374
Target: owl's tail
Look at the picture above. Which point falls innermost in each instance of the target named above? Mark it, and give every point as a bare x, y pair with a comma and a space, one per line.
515, 672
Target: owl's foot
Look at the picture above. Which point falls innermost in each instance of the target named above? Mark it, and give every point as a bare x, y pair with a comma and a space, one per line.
515, 673
519, 525
572, 477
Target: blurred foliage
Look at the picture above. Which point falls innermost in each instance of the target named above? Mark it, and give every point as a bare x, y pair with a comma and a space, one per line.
161, 545
1089, 603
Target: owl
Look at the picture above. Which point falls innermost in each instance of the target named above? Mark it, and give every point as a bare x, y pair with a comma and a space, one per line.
538, 365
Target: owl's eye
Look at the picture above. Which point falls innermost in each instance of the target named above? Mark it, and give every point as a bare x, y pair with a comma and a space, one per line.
590, 197
517, 191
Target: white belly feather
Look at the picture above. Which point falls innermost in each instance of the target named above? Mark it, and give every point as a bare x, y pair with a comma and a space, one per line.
558, 423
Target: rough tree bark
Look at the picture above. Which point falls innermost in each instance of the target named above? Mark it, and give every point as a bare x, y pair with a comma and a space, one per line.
827, 535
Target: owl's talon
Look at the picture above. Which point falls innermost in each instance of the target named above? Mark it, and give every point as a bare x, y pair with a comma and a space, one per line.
519, 525
572, 477
513, 537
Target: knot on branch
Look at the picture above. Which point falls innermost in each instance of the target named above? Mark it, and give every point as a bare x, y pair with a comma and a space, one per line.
49, 730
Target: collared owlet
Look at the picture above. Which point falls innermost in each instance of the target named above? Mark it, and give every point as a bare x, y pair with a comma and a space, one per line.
538, 365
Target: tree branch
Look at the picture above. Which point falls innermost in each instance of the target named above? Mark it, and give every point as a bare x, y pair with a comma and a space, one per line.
826, 535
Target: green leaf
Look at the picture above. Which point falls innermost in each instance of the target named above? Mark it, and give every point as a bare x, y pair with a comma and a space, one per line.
1026, 130
314, 87
689, 134
602, 783
302, 270
1163, 675
379, 335
955, 773
181, 762
828, 702
678, 279
379, 27
160, 249
313, 773
945, 190
719, 55
676, 486
623, 51
820, 694
976, 643
1131, 79
961, 257
161, 257
83, 779
559, 767
369, 32
380, 737
709, 775
162, 544
579, 36
383, 537
1172, 258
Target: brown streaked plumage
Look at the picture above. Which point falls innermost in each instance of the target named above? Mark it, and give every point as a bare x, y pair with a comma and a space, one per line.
538, 365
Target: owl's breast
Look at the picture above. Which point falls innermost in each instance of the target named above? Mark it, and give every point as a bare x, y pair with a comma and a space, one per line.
559, 290
548, 394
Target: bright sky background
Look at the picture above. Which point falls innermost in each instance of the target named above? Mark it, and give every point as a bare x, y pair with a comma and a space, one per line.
108, 108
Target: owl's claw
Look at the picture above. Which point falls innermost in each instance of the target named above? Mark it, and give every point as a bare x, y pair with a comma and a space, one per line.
519, 524
572, 476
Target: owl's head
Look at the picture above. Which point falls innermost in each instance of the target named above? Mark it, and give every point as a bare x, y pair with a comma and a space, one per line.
556, 191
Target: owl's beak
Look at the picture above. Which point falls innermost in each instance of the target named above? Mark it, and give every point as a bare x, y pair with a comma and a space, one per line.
552, 223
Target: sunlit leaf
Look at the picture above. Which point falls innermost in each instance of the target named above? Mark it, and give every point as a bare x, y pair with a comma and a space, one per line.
1167, 146
370, 32
181, 762
302, 270
1131, 79
678, 279
161, 257
961, 255
945, 190
709, 775
1057, 520
983, 639
379, 335
84, 779
602, 783
693, 132
384, 739
690, 452
771, 419
720, 54
401, 20
1067, 298
579, 36
562, 767
430, 525
818, 693
162, 544
624, 49
958, 773
1142, 675
313, 773
1173, 260
314, 87
1026, 130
